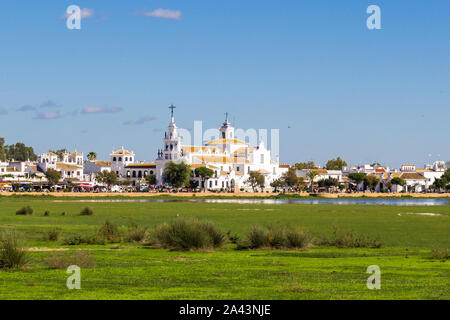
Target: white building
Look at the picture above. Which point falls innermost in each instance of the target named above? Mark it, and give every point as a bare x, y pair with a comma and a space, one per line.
124, 164
92, 168
70, 165
230, 159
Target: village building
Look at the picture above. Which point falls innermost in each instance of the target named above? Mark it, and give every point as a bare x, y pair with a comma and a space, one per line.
92, 168
70, 165
231, 159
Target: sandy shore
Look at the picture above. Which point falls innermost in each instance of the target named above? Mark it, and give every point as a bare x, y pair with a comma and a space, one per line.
242, 194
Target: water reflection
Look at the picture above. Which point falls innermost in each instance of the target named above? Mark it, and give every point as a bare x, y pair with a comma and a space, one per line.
387, 202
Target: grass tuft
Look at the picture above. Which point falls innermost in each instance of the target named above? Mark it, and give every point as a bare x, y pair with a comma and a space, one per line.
349, 239
110, 232
87, 211
440, 254
188, 235
52, 235
12, 254
78, 258
137, 234
25, 211
276, 237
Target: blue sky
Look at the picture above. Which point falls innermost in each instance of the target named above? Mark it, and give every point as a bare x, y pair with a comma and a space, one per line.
309, 68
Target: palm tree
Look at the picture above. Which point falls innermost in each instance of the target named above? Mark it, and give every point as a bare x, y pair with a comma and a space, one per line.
311, 175
92, 156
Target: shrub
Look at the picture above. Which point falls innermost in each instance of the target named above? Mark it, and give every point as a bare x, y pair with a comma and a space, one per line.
12, 255
63, 213
76, 239
79, 258
233, 238
52, 235
349, 239
25, 211
256, 238
275, 237
46, 213
297, 238
137, 234
110, 232
441, 254
87, 211
188, 235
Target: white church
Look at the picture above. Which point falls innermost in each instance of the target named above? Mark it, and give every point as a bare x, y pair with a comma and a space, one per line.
230, 159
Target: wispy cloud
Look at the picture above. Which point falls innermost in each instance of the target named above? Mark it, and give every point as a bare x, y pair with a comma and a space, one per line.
95, 110
26, 108
3, 111
85, 13
162, 13
139, 121
47, 115
49, 104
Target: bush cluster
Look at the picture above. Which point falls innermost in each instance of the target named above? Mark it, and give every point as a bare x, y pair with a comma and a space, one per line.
79, 258
349, 239
52, 235
87, 211
188, 235
12, 254
440, 254
25, 211
275, 237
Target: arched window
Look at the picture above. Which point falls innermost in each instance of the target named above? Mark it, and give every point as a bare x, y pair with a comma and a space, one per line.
128, 173
134, 174
126, 158
120, 159
114, 159
151, 171
140, 174
131, 159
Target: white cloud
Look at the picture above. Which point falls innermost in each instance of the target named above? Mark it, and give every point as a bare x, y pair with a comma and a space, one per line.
93, 110
85, 13
164, 13
46, 115
26, 108
139, 121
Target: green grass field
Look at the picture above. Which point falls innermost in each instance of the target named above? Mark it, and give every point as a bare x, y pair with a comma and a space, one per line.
134, 271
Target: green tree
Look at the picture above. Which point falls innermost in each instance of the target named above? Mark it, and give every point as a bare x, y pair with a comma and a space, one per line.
204, 173
357, 178
59, 153
335, 164
371, 182
91, 156
277, 184
397, 181
290, 178
328, 183
444, 182
177, 174
312, 175
52, 176
305, 165
20, 152
107, 177
255, 179
2, 150
151, 179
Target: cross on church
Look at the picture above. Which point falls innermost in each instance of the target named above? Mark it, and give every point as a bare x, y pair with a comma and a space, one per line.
226, 116
172, 107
